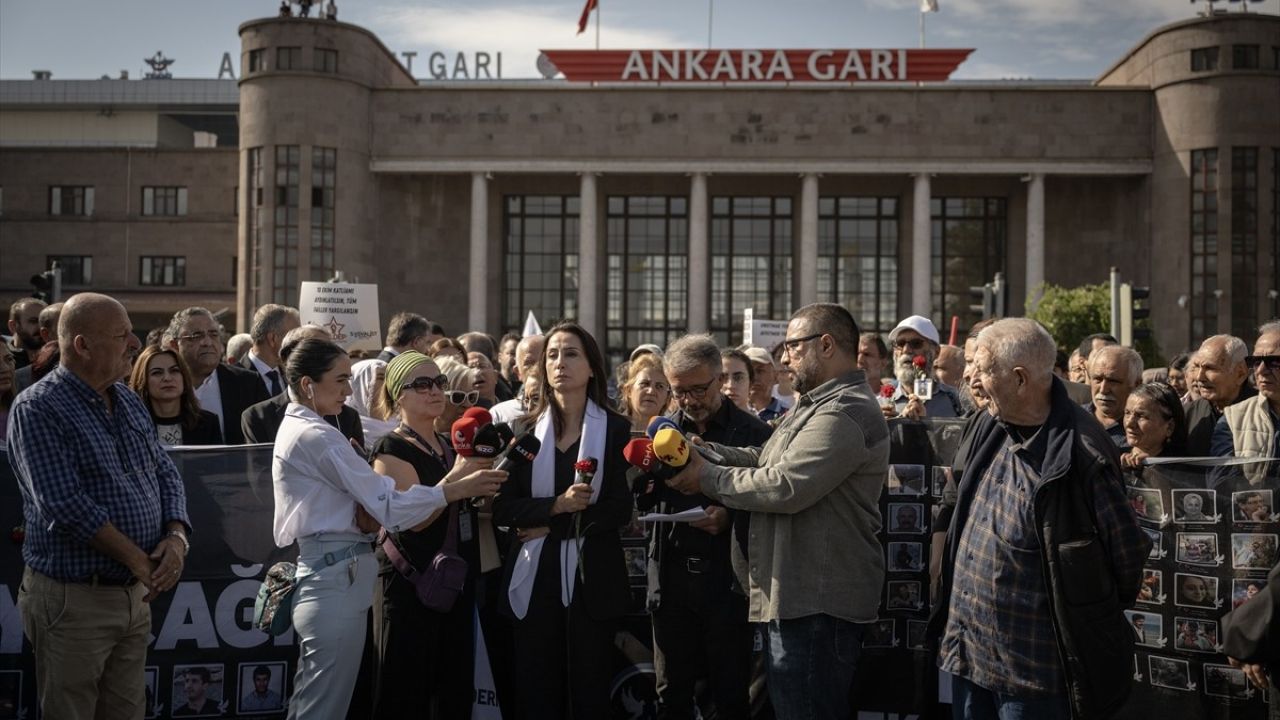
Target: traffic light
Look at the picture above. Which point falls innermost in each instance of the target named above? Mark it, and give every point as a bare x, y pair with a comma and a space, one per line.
1135, 306
48, 285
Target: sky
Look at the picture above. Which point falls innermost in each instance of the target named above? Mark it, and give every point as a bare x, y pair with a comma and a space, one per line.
1041, 39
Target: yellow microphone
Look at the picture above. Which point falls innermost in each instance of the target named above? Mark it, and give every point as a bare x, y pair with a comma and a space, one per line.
671, 447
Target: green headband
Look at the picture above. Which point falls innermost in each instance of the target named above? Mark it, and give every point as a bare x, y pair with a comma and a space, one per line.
398, 369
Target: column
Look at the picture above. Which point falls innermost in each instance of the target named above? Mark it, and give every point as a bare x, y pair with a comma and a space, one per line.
588, 260
1035, 239
699, 294
478, 295
808, 240
921, 249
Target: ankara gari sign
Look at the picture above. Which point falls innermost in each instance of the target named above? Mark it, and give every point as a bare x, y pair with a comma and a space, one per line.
681, 66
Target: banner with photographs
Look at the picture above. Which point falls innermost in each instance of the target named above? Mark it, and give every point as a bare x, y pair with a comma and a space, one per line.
1214, 530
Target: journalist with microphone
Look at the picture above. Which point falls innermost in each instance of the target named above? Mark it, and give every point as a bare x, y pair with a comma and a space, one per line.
815, 565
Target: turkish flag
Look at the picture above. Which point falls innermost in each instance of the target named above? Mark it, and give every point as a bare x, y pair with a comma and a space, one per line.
586, 13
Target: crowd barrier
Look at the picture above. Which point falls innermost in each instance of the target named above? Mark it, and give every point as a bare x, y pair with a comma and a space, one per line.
1203, 564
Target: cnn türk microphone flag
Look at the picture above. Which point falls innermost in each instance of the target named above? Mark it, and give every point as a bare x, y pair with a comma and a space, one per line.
586, 13
926, 6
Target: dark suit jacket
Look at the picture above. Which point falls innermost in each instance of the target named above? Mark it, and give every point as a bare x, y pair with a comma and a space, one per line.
1251, 633
261, 422
239, 389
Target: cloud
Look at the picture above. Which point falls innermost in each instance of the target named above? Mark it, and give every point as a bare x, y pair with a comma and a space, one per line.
519, 31
980, 70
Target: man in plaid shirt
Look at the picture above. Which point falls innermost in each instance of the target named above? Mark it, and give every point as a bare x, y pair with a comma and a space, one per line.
1044, 552
106, 518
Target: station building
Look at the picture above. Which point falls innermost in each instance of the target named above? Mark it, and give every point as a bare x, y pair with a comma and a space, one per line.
645, 210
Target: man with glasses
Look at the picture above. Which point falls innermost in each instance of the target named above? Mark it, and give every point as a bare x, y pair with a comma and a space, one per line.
700, 626
816, 568
223, 390
1252, 428
913, 339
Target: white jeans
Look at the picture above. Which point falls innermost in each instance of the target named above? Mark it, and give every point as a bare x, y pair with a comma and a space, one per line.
329, 616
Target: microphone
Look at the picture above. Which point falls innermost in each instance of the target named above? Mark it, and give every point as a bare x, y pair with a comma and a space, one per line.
671, 447
505, 435
658, 423
463, 434
487, 442
521, 452
640, 454
480, 415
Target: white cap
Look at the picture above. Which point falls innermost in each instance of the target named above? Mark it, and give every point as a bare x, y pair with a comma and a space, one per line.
646, 348
921, 325
758, 355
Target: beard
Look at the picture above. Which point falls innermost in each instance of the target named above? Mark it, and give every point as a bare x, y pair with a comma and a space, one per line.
907, 373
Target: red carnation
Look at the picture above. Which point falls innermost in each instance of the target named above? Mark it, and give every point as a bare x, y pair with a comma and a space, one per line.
585, 466
919, 361
886, 390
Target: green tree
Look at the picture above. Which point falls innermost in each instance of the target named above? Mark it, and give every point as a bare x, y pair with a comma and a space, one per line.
1072, 314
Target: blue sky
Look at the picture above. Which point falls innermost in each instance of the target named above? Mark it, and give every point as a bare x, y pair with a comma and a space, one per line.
1046, 39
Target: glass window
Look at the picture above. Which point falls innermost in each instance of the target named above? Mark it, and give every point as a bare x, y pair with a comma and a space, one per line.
969, 238
540, 259
1244, 241
255, 183
325, 60
71, 200
76, 269
289, 58
858, 258
284, 283
257, 60
324, 181
1244, 57
750, 262
648, 272
164, 201
1204, 59
162, 270
1204, 244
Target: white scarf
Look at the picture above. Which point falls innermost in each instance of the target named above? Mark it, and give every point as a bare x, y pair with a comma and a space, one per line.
591, 445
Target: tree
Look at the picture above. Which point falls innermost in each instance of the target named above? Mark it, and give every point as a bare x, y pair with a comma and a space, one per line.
1072, 314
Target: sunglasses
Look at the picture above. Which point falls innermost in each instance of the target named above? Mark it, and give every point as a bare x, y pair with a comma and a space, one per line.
458, 397
424, 384
913, 344
1272, 362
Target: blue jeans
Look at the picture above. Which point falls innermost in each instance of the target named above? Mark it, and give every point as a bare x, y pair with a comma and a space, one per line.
811, 664
974, 702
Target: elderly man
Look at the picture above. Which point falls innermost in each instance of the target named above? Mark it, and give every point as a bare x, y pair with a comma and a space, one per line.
816, 567
1251, 427
270, 324
224, 390
238, 348
528, 355
760, 397
949, 366
1218, 375
1042, 507
407, 331
106, 518
700, 626
873, 356
24, 327
1114, 371
915, 349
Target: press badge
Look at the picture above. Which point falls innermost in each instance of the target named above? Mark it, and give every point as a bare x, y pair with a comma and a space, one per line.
464, 526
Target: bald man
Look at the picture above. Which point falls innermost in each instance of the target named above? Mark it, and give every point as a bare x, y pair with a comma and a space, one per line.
528, 353
106, 518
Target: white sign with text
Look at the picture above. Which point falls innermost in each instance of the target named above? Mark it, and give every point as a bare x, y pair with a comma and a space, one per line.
348, 311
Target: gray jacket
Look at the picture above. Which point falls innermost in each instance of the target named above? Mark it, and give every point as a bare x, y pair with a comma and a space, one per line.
813, 493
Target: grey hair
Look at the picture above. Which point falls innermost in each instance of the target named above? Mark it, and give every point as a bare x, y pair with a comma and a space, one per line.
691, 352
1232, 346
297, 335
1271, 326
1021, 342
238, 345
1128, 355
268, 319
180, 320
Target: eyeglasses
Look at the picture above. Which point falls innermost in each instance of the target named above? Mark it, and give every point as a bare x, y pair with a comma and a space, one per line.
1271, 362
913, 343
794, 343
697, 392
198, 336
458, 397
423, 385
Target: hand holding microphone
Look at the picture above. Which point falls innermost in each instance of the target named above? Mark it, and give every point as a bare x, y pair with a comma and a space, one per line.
658, 423
673, 449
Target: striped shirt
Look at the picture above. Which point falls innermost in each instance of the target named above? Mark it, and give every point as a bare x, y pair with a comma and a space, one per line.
80, 466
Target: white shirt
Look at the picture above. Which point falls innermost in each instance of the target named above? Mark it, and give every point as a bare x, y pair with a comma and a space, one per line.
263, 369
209, 395
507, 410
319, 479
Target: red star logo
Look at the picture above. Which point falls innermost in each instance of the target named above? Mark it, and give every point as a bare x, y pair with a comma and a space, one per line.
335, 329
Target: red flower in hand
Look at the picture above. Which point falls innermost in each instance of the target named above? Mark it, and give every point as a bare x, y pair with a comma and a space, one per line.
886, 391
585, 466
919, 361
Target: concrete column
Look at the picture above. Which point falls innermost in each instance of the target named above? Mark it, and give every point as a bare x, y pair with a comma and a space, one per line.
699, 303
478, 294
588, 260
808, 240
921, 249
1035, 240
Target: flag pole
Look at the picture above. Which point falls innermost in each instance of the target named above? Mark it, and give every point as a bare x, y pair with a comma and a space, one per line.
711, 6
922, 14
597, 24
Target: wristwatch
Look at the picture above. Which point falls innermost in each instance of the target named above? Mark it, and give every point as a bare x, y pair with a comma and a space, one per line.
186, 544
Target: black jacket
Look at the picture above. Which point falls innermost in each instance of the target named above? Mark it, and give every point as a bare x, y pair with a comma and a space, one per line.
239, 389
261, 421
1091, 579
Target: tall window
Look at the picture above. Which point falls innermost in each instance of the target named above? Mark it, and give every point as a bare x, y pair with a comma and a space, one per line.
76, 269
257, 60
71, 200
969, 238
1244, 241
325, 60
284, 286
162, 270
858, 258
324, 178
1244, 57
648, 279
750, 262
541, 258
1204, 244
1204, 59
255, 184
164, 201
289, 58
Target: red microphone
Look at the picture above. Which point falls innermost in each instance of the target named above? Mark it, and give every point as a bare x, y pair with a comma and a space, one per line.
480, 415
639, 453
463, 434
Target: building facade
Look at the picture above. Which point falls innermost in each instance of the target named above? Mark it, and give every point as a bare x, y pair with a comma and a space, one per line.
646, 210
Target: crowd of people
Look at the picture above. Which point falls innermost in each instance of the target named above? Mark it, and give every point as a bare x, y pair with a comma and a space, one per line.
788, 457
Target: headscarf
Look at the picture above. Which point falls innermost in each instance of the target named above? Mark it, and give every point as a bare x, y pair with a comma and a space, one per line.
398, 371
364, 376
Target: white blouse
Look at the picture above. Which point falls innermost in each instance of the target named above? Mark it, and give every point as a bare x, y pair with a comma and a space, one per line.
319, 479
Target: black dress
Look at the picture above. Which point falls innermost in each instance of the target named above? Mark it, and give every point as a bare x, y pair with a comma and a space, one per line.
426, 658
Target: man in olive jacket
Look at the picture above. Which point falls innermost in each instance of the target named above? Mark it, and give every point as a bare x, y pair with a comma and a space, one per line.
1044, 552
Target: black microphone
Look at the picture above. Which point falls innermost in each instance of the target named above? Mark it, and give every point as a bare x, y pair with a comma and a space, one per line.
487, 442
521, 452
505, 435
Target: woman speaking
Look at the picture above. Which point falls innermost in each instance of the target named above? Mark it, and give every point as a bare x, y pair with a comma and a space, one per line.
566, 584
328, 499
